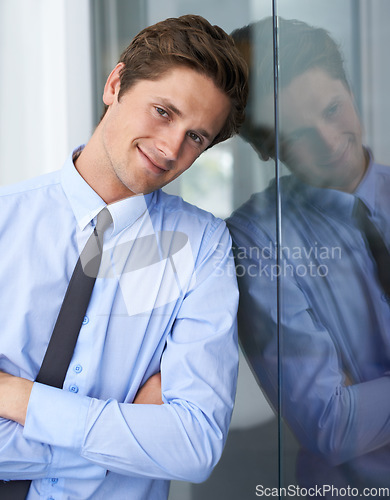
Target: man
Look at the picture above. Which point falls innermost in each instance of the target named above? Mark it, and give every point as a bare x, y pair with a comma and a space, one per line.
163, 301
319, 344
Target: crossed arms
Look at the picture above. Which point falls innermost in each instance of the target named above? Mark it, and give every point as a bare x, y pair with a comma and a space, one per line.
15, 394
69, 435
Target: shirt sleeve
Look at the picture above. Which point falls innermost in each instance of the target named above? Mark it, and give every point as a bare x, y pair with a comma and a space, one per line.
183, 438
21, 458
327, 413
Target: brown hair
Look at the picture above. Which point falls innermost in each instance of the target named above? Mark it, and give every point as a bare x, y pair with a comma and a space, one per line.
193, 42
301, 47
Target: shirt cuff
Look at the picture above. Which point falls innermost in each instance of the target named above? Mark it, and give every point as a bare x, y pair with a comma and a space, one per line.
56, 417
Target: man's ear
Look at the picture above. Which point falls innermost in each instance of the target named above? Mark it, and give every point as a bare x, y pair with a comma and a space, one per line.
112, 86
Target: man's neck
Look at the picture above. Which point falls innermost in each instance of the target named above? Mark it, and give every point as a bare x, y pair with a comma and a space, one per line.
93, 168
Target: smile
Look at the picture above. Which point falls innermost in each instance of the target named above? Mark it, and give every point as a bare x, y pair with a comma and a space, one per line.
150, 164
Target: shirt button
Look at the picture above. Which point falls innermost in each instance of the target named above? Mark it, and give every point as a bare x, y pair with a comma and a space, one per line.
74, 388
54, 480
85, 320
77, 368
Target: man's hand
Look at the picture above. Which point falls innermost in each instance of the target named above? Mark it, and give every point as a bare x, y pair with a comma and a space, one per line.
14, 396
150, 392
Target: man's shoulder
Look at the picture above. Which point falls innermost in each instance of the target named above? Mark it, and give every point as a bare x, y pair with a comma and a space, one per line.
31, 186
25, 203
202, 229
179, 211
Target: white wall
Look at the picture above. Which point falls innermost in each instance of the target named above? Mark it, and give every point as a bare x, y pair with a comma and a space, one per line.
45, 93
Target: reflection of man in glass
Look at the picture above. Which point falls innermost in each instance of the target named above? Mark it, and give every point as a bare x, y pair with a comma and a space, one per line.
333, 315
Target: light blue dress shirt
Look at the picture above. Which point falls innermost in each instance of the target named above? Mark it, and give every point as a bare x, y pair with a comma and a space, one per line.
165, 299
334, 346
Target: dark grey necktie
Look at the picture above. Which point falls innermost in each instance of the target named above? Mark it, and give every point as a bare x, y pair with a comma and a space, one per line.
375, 244
66, 330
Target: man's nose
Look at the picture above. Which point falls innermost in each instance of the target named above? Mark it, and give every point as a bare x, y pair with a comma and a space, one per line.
171, 143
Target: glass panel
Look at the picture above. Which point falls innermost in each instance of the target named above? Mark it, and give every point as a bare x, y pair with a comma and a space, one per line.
315, 327
333, 310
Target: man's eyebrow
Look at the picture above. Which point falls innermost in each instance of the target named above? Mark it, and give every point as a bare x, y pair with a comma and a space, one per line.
205, 134
170, 106
177, 112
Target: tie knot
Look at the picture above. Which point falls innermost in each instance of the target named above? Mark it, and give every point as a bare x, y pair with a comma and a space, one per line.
104, 219
91, 255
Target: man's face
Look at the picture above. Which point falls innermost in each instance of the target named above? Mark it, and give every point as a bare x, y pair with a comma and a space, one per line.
157, 129
320, 132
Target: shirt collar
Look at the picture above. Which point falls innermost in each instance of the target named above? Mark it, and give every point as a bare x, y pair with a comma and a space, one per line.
126, 212
86, 203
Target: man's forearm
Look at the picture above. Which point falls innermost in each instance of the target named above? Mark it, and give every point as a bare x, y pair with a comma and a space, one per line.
23, 458
14, 396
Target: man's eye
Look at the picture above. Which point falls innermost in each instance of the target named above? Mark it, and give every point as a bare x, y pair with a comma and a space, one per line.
161, 111
332, 110
195, 137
